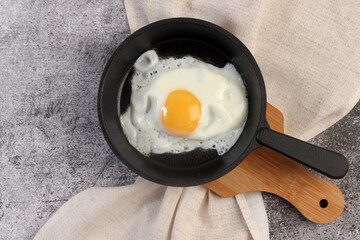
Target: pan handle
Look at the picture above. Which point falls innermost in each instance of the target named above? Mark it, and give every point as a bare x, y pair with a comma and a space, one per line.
327, 162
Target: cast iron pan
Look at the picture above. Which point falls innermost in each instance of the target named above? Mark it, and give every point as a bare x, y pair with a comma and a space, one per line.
210, 43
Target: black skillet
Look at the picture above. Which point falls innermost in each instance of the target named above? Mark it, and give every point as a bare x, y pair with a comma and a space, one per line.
210, 43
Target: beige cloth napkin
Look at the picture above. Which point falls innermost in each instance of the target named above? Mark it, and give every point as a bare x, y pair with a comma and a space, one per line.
310, 58
146, 210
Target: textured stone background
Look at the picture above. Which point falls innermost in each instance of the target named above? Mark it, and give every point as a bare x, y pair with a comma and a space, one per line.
51, 58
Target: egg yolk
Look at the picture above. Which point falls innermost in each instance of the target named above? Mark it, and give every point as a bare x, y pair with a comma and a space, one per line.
181, 113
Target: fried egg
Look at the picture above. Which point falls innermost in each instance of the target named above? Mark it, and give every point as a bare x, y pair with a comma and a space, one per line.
179, 104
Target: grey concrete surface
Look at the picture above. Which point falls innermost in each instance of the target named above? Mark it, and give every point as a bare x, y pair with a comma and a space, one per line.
51, 58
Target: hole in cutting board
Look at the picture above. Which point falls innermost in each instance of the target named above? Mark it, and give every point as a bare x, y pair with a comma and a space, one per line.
323, 203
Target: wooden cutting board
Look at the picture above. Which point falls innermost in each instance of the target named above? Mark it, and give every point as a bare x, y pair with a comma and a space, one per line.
266, 170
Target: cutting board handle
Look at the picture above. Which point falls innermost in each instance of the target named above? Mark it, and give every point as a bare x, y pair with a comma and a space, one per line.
317, 199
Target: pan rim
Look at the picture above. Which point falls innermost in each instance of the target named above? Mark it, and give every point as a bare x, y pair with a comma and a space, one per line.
236, 42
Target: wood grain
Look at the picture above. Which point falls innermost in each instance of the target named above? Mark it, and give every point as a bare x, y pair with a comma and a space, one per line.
268, 171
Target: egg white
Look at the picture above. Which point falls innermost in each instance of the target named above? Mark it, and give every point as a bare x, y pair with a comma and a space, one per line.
221, 92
